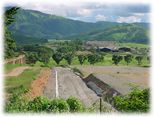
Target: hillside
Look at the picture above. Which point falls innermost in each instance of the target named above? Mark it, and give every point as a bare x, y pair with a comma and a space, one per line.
121, 33
42, 25
39, 26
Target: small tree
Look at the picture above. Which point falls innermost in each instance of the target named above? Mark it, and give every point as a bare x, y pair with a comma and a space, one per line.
69, 57
32, 57
57, 57
148, 59
93, 58
128, 58
139, 59
82, 58
116, 59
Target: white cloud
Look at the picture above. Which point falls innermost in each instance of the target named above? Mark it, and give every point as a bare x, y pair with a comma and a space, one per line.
100, 18
84, 12
129, 19
139, 14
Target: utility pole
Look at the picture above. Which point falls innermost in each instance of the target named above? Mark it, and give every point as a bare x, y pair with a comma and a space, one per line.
100, 105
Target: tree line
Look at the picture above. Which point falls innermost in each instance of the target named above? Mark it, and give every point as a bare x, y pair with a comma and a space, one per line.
96, 57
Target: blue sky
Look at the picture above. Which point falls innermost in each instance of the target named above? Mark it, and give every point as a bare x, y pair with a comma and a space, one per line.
94, 11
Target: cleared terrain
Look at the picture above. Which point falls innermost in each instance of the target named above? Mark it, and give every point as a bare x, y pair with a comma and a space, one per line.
119, 77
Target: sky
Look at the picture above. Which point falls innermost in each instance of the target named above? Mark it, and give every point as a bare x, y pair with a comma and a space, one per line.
94, 11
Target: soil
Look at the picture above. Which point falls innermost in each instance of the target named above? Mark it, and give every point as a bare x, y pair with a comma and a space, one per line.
120, 77
38, 85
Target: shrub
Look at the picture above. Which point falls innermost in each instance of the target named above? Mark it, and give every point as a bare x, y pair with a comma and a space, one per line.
136, 101
58, 105
39, 104
75, 104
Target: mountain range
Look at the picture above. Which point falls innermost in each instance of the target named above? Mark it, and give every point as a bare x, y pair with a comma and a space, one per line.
36, 27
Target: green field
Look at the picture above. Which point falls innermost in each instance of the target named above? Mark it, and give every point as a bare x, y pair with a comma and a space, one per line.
134, 45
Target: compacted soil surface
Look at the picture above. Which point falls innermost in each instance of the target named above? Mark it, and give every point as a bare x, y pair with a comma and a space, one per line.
69, 84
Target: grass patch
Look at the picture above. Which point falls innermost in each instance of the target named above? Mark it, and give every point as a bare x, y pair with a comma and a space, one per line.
134, 45
9, 67
23, 79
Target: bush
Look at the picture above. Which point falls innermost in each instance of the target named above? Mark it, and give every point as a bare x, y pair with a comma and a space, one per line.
39, 104
42, 104
75, 104
16, 104
136, 101
58, 105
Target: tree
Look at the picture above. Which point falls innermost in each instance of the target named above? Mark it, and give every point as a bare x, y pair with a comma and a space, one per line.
128, 58
82, 58
69, 57
116, 59
148, 59
9, 15
57, 57
93, 58
44, 54
139, 59
10, 45
32, 57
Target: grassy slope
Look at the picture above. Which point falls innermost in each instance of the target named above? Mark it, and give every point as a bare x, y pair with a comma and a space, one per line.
23, 79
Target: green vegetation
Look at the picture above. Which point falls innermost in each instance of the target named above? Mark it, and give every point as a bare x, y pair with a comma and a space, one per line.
128, 58
116, 59
56, 27
106, 61
139, 59
136, 101
26, 40
36, 53
57, 57
75, 104
121, 33
24, 80
43, 104
133, 45
9, 67
10, 45
95, 57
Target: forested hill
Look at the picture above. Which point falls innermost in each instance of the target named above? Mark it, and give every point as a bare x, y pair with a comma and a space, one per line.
40, 25
122, 33
36, 25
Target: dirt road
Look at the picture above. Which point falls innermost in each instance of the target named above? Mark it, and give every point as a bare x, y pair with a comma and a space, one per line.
69, 84
17, 71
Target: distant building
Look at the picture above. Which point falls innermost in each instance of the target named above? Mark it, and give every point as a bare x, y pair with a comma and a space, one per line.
125, 49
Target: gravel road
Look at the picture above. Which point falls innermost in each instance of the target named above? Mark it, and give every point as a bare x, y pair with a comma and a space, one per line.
69, 84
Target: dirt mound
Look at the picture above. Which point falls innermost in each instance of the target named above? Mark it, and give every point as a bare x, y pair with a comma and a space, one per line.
39, 84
